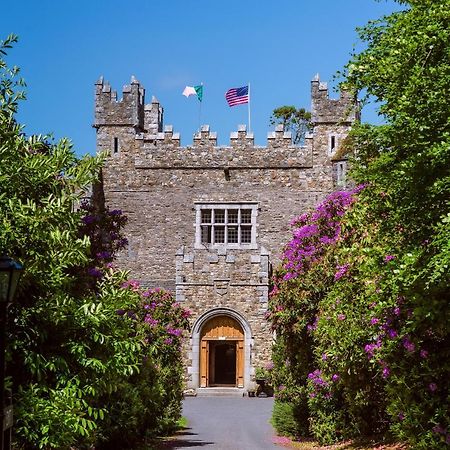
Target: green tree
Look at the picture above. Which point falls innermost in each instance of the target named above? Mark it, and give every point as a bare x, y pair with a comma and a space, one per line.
298, 121
82, 342
373, 308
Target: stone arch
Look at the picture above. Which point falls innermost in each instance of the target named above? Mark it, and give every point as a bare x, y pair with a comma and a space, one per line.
194, 369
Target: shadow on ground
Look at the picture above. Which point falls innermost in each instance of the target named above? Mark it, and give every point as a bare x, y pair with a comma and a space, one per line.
181, 439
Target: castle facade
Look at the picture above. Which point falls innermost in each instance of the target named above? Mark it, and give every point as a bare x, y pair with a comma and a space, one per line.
208, 222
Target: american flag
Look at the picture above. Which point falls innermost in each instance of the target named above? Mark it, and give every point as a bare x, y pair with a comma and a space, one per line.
237, 96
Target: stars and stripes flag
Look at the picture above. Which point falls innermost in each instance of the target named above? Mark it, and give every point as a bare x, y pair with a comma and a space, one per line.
237, 96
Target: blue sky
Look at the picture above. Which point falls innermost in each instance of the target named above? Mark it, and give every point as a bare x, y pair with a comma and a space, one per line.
277, 46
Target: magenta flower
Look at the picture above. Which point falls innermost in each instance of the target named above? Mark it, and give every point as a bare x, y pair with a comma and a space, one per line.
374, 321
314, 232
103, 255
151, 321
392, 333
410, 347
341, 271
370, 348
335, 377
186, 313
174, 331
388, 258
423, 354
386, 372
313, 326
432, 387
341, 316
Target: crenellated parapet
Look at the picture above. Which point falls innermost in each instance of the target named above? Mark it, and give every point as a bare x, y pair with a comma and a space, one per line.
205, 137
325, 110
241, 137
279, 137
168, 137
130, 128
128, 111
165, 152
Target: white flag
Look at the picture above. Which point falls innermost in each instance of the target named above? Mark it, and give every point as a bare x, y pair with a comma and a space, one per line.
189, 90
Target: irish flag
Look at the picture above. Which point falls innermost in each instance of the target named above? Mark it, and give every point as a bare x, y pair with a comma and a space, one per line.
194, 90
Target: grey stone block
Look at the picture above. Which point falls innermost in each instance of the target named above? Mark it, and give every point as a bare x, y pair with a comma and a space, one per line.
189, 258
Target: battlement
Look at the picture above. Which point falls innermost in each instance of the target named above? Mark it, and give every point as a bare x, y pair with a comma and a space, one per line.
325, 110
146, 120
165, 151
130, 110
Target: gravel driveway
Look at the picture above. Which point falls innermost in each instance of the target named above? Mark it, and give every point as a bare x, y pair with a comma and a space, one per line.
227, 423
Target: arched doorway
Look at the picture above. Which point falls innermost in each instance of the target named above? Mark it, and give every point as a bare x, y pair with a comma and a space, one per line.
222, 353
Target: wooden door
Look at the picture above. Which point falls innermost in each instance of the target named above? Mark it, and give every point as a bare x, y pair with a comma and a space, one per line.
204, 364
240, 363
221, 328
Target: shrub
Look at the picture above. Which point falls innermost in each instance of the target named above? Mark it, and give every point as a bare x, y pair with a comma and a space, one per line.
290, 418
96, 358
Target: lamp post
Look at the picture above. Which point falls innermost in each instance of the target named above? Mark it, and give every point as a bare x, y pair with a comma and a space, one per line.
10, 272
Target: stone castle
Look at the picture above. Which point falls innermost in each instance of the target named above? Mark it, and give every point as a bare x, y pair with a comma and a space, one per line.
208, 222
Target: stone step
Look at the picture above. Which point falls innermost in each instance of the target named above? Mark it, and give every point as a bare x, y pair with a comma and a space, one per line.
220, 392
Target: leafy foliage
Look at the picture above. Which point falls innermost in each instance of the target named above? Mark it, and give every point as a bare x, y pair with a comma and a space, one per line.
298, 121
364, 323
81, 345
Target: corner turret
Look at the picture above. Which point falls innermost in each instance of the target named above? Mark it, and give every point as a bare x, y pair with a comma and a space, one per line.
327, 111
129, 111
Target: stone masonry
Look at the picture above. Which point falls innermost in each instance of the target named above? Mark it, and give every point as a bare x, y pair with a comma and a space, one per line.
167, 190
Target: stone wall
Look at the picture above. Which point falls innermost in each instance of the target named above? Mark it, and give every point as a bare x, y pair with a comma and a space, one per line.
157, 183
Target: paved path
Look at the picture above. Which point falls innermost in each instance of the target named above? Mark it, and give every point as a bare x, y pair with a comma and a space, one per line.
227, 423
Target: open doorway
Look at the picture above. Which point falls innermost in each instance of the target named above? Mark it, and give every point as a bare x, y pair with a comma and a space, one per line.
222, 353
222, 363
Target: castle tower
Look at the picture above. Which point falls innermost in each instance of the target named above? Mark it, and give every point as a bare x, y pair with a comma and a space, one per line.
208, 222
332, 120
119, 121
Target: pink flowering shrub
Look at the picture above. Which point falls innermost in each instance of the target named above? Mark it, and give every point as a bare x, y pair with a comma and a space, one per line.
294, 313
366, 348
155, 392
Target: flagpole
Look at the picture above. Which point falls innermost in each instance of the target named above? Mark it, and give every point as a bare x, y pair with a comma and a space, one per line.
249, 123
200, 111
